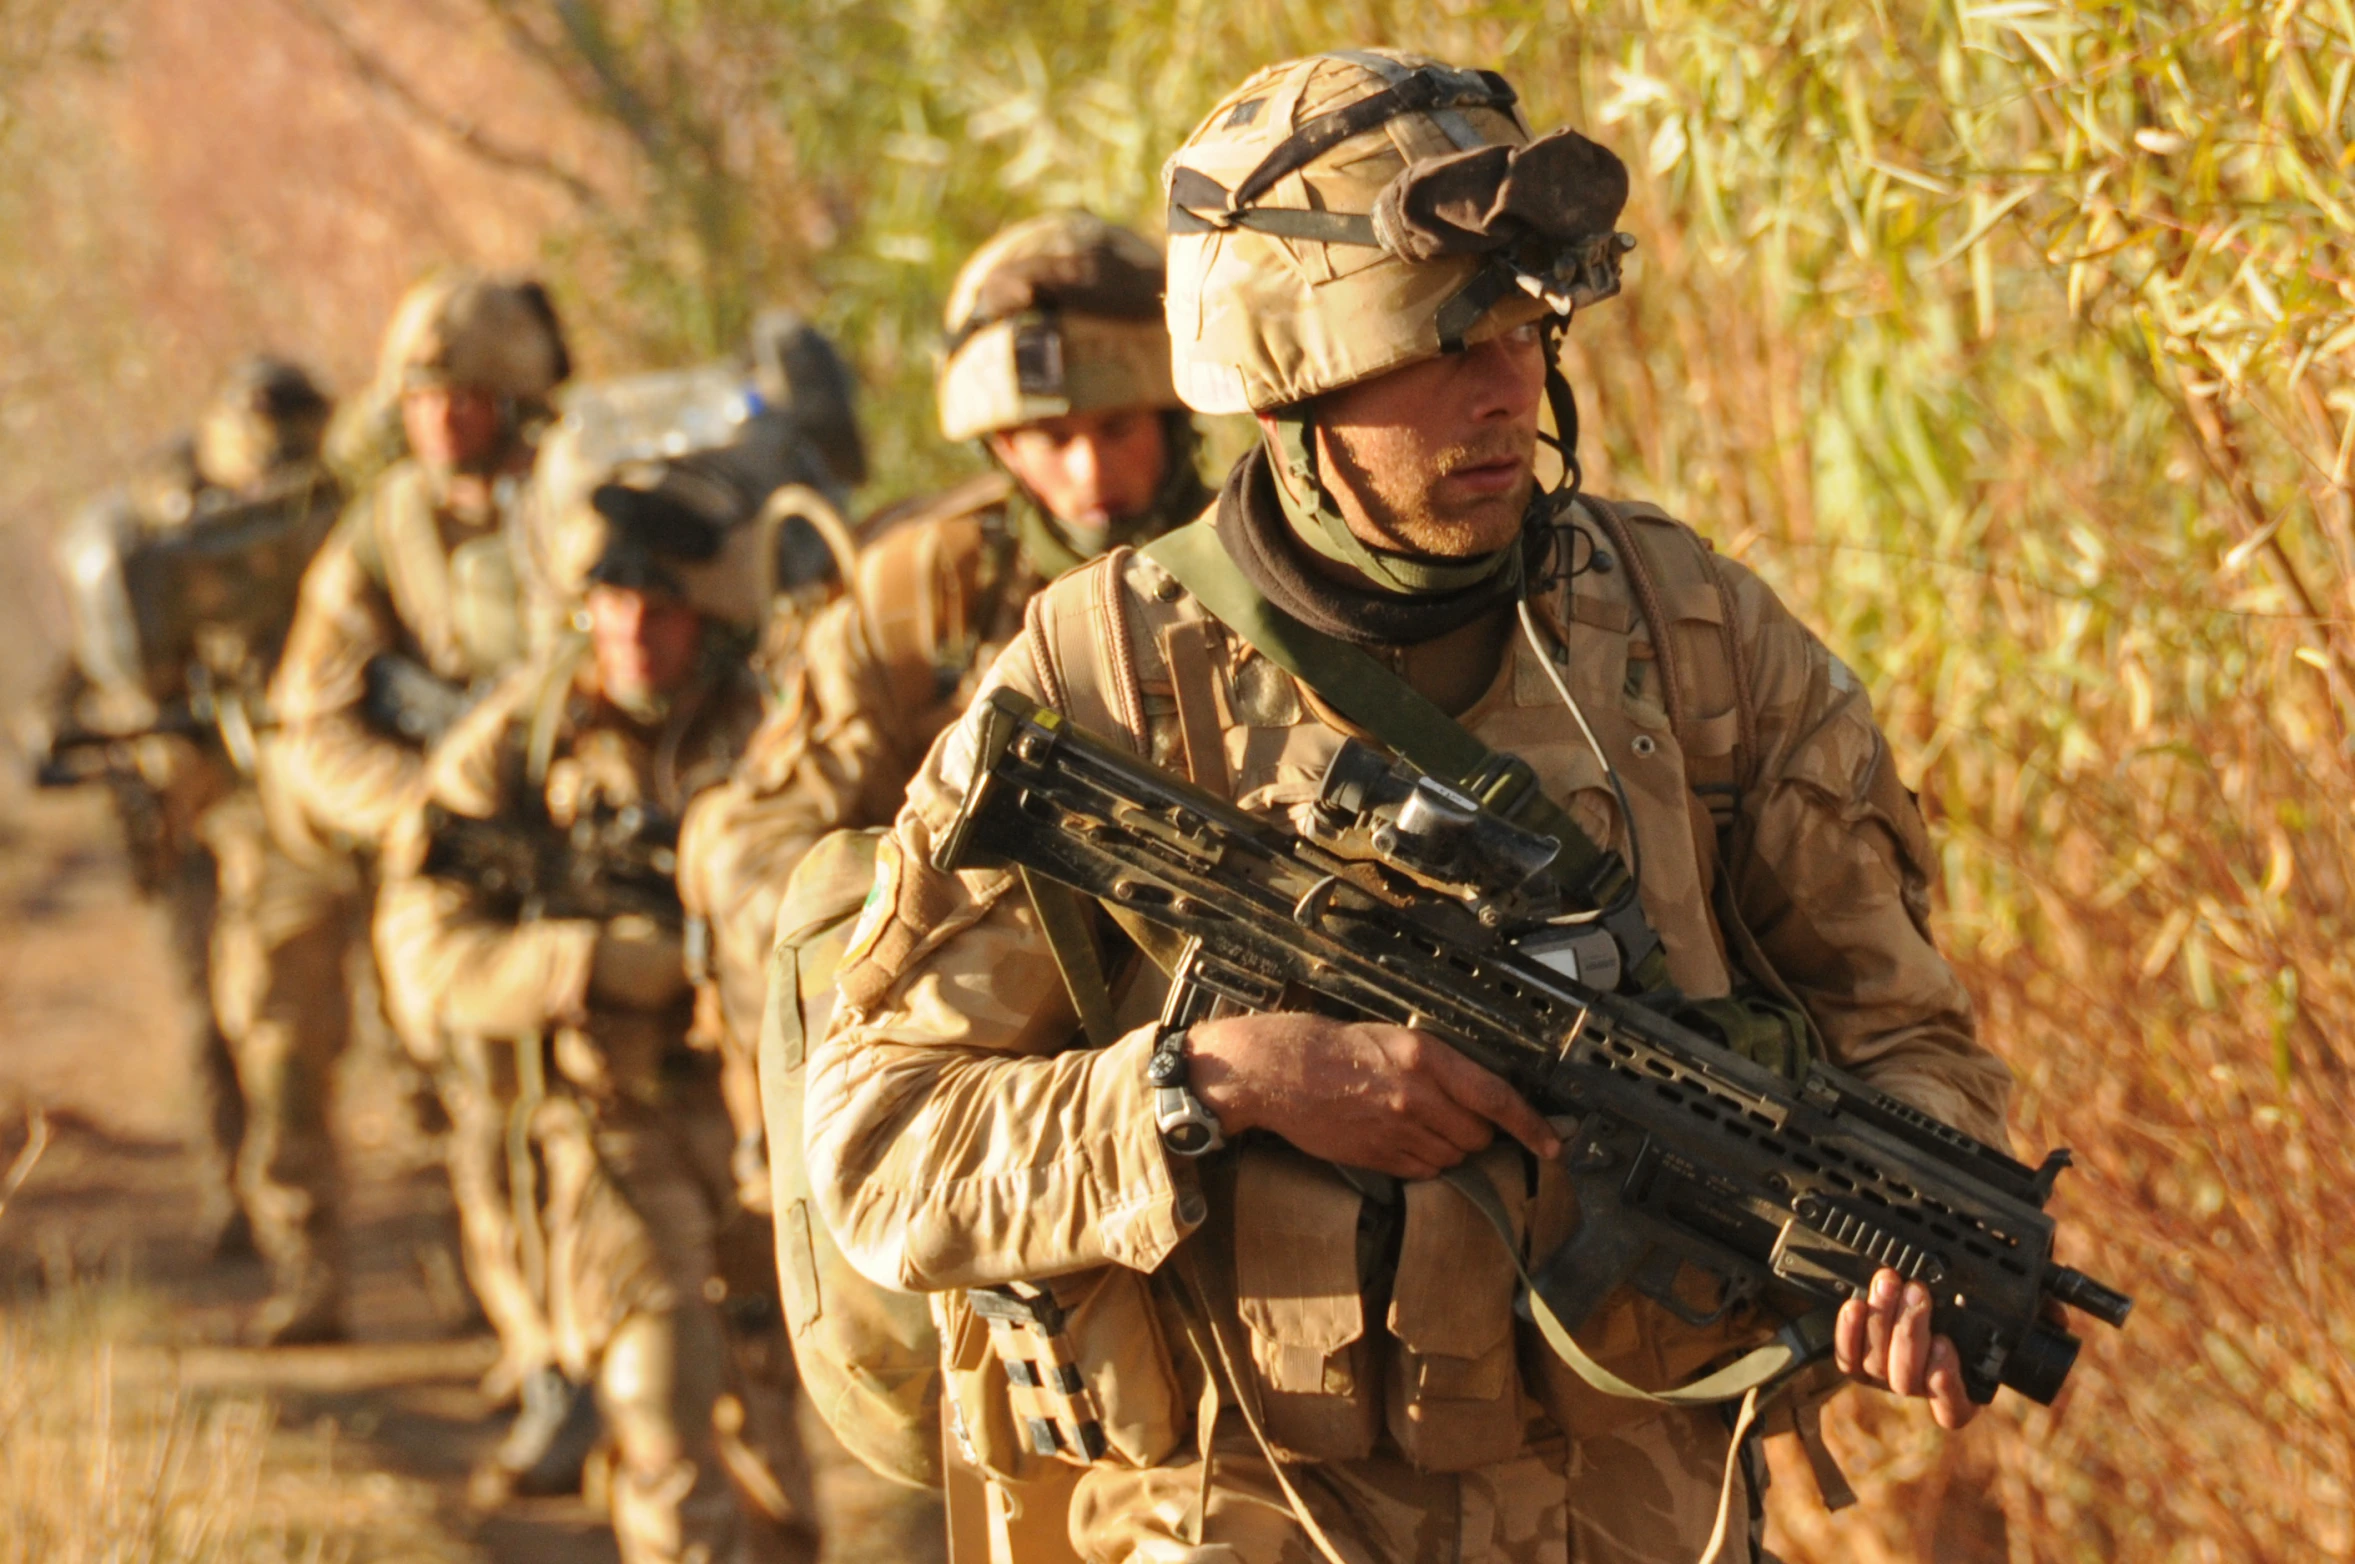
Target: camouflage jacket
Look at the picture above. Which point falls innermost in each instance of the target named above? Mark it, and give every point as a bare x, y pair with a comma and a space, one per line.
457, 960
875, 677
401, 574
958, 1136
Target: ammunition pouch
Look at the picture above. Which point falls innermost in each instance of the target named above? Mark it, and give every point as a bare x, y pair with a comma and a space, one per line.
1074, 1369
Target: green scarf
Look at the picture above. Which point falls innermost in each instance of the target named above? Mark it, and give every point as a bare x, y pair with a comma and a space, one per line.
1309, 507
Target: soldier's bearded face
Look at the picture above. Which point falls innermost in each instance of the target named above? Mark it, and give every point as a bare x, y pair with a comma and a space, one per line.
1436, 458
452, 428
1089, 469
645, 643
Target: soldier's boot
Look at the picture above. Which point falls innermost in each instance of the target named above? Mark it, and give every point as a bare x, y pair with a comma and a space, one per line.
671, 1498
305, 1307
546, 1447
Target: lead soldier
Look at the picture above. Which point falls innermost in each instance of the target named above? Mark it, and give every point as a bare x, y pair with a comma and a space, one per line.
182, 585
1305, 1344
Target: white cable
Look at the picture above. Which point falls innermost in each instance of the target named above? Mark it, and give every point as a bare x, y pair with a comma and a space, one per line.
1635, 861
1546, 663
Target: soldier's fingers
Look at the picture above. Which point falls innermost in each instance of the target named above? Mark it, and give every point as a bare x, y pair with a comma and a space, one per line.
1909, 1343
1879, 1320
1950, 1403
1425, 1103
1415, 1153
1848, 1338
1486, 1093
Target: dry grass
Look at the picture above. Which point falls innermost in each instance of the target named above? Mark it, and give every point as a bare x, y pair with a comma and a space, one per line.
103, 1467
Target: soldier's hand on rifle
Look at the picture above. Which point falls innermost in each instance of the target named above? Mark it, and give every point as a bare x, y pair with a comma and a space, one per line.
1356, 1092
1884, 1339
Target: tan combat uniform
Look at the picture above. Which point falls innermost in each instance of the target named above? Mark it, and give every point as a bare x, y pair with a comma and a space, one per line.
401, 576
877, 675
957, 1136
631, 1140
199, 844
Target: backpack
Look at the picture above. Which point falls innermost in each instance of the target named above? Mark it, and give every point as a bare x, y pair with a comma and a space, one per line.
869, 1356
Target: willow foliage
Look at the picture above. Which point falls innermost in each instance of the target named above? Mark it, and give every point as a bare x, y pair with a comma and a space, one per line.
2013, 341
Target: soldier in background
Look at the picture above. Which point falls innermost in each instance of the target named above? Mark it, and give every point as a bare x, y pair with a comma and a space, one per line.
181, 584
582, 762
1058, 364
410, 607
770, 437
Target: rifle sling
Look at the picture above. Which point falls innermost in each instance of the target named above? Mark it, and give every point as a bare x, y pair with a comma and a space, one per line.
1391, 709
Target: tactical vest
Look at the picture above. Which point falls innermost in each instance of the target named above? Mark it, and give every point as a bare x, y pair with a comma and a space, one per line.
455, 590
1124, 651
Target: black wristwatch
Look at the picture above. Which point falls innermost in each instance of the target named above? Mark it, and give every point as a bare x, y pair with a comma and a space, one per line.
1187, 1128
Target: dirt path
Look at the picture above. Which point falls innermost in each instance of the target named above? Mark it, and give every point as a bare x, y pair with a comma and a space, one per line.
96, 1030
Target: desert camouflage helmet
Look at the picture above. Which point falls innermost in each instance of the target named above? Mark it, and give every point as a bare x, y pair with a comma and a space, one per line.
462, 328
1345, 214
687, 527
1058, 314
268, 416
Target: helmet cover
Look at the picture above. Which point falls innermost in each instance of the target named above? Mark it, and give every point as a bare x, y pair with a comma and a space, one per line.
1058, 314
1342, 215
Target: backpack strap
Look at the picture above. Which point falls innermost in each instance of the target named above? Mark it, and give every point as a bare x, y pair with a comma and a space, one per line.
1670, 567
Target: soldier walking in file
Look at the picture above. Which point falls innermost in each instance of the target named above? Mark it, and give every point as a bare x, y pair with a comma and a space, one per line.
530, 904
411, 606
1223, 1247
182, 584
1058, 363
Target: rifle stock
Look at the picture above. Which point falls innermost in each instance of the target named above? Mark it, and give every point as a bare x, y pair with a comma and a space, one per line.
1683, 1154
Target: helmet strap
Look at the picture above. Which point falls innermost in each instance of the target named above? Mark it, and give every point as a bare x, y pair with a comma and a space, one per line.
1564, 403
1317, 521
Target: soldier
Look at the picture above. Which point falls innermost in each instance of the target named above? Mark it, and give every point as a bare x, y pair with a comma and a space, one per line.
411, 605
1281, 1359
1058, 362
182, 584
592, 751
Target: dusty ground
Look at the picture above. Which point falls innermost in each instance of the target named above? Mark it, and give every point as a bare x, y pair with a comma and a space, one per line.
95, 1028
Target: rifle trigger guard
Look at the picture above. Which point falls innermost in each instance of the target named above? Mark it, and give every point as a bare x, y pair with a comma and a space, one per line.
1656, 1280
1309, 911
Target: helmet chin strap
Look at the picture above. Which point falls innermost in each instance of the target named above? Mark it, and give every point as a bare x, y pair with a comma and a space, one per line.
1564, 403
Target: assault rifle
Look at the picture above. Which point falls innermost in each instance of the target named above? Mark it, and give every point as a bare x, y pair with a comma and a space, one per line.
611, 863
402, 699
214, 712
1411, 904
